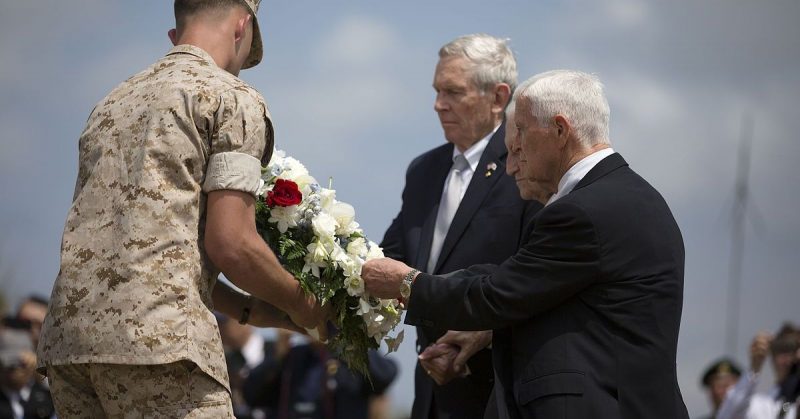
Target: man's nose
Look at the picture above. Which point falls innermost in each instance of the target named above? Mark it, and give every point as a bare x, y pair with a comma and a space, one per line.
440, 104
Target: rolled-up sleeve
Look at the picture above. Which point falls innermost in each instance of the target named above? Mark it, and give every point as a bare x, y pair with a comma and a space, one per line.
240, 144
234, 171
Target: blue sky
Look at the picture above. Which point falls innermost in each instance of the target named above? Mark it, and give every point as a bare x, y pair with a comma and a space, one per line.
349, 87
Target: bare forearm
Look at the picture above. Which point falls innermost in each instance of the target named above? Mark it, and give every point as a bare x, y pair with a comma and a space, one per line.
228, 301
260, 313
255, 269
234, 246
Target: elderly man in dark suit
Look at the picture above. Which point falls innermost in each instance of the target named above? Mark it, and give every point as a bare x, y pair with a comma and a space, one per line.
459, 208
593, 299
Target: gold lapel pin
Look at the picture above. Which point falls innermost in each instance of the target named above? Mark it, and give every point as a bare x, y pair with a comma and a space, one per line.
490, 168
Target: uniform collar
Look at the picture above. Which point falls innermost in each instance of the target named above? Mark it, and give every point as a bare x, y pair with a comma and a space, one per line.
192, 50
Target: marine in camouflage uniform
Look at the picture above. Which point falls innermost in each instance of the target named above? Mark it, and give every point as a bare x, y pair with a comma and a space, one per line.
130, 331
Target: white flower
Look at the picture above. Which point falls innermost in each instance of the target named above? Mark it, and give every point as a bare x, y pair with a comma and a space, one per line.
304, 184
375, 251
317, 252
345, 216
262, 187
357, 247
326, 198
285, 217
324, 227
355, 285
277, 155
341, 258
293, 169
316, 258
351, 266
374, 320
364, 306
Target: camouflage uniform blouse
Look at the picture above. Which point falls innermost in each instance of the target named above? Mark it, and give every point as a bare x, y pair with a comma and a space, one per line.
135, 281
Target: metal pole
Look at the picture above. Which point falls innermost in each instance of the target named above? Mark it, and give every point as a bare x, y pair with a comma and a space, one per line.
738, 236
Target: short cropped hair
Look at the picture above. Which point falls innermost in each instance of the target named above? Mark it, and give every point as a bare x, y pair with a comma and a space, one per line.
491, 58
185, 8
576, 95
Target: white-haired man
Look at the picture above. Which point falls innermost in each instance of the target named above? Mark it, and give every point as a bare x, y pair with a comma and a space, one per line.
528, 189
594, 298
459, 209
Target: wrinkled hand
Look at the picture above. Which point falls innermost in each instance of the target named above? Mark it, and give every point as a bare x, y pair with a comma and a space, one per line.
759, 349
468, 344
313, 318
383, 277
437, 360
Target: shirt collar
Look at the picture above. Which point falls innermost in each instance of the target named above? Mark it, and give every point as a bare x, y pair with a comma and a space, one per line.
192, 50
577, 172
474, 153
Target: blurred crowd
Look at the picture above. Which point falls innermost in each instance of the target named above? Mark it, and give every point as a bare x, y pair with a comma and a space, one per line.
292, 377
24, 394
286, 377
732, 390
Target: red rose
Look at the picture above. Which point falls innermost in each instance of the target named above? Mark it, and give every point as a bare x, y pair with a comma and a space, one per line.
284, 194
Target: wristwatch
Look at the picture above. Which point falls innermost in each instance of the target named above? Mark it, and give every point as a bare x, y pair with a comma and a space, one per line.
405, 287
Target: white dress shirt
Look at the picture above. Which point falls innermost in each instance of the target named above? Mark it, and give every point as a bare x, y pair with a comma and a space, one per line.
473, 156
450, 201
577, 172
16, 400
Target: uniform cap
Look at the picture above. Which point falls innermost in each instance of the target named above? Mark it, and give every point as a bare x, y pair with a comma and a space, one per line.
256, 48
723, 366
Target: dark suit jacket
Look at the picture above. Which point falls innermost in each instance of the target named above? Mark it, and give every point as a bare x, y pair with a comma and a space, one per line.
39, 404
487, 228
593, 302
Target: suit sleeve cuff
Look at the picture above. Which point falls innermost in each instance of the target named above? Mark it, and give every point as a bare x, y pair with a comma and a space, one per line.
416, 314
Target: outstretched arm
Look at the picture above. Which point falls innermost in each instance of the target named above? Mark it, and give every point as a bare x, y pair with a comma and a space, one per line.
234, 246
261, 314
560, 259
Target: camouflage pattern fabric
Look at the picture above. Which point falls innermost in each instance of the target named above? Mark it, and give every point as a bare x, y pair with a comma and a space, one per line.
177, 390
134, 286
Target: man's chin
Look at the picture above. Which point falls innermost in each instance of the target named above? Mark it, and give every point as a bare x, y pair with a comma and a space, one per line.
451, 132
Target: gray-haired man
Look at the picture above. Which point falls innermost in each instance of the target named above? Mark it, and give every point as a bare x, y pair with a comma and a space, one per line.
460, 208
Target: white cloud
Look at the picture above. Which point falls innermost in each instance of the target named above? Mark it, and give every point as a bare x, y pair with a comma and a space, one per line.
357, 42
627, 13
361, 88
